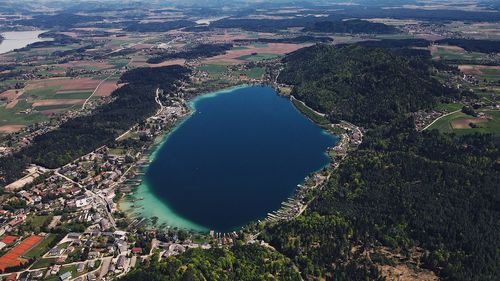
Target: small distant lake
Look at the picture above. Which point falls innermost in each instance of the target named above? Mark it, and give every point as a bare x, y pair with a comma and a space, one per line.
233, 160
19, 39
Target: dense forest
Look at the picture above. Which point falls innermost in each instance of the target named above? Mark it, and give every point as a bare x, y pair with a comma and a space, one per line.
309, 23
134, 102
158, 26
473, 45
409, 192
438, 15
241, 262
198, 51
56, 39
406, 191
352, 26
367, 86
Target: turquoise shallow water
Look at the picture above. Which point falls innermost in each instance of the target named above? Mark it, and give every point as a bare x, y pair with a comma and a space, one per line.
234, 159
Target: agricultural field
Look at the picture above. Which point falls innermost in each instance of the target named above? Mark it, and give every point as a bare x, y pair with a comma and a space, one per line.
449, 107
214, 70
254, 53
445, 52
461, 123
483, 72
479, 30
42, 98
255, 72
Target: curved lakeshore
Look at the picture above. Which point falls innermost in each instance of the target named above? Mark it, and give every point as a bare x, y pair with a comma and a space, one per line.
19, 39
234, 159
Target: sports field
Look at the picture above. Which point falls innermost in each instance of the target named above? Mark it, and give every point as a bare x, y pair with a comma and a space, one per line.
12, 257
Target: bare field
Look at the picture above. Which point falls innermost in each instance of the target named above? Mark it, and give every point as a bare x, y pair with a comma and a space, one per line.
476, 69
107, 88
11, 95
65, 84
7, 129
11, 104
464, 123
142, 46
403, 272
58, 102
231, 56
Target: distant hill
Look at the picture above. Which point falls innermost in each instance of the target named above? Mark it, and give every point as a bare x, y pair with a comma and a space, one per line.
364, 85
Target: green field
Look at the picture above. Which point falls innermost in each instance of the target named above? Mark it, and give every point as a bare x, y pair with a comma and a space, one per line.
490, 127
255, 72
51, 93
448, 54
214, 70
44, 263
316, 118
443, 124
56, 106
118, 63
13, 117
258, 57
239, 48
260, 45
38, 221
449, 106
74, 95
490, 74
42, 93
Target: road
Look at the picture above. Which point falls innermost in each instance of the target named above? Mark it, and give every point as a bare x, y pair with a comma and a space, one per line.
97, 88
426, 127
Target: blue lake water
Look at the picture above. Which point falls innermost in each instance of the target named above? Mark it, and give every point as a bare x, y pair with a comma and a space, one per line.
234, 159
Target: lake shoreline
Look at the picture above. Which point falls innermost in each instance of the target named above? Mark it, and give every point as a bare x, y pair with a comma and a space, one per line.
128, 204
14, 40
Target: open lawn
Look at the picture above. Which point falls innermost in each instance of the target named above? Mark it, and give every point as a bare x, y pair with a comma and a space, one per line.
44, 263
38, 221
450, 107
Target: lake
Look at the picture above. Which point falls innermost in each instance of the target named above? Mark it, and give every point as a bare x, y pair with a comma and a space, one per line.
234, 159
19, 39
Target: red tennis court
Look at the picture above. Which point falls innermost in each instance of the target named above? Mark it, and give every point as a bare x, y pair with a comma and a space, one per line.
11, 258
